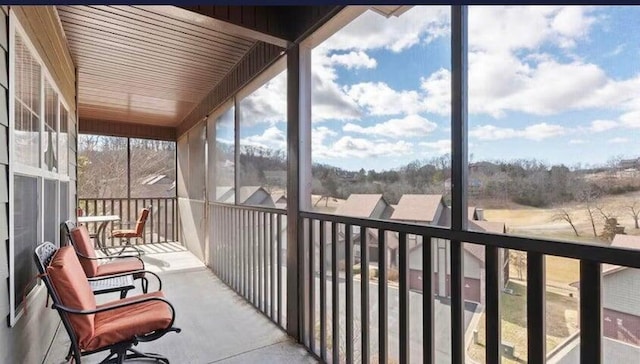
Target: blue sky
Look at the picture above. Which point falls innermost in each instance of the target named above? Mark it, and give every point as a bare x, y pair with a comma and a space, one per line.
558, 84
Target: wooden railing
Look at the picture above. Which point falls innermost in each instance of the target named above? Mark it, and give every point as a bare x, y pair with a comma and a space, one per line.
161, 226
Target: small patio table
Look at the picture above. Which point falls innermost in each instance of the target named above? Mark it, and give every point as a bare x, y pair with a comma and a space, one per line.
104, 221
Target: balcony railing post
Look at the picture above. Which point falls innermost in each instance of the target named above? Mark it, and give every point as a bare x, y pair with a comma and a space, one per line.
364, 294
403, 270
590, 312
382, 297
428, 321
493, 283
536, 333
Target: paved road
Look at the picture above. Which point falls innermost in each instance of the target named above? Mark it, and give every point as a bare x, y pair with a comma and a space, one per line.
442, 314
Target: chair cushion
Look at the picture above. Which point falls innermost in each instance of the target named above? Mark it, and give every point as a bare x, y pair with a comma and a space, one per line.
119, 266
82, 242
122, 233
72, 287
124, 323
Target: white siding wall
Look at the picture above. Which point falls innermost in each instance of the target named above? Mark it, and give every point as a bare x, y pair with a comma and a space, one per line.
621, 291
472, 266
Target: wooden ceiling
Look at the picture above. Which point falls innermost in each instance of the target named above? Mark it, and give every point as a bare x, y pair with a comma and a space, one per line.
140, 65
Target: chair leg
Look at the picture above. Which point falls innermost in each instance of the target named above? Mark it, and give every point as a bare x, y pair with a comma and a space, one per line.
145, 284
138, 354
69, 353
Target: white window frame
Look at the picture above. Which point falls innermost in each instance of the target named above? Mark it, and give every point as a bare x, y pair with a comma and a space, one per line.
41, 173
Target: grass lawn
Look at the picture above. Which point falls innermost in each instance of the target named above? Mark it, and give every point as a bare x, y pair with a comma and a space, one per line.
561, 322
560, 271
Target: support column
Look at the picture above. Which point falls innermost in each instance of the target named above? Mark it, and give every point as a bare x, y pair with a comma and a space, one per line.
459, 166
298, 181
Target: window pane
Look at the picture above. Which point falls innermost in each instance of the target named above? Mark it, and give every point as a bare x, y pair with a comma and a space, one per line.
50, 148
27, 106
25, 233
153, 168
381, 117
222, 157
553, 119
50, 201
102, 166
64, 201
263, 143
196, 175
63, 161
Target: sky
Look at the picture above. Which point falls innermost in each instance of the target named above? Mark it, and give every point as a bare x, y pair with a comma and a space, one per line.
556, 84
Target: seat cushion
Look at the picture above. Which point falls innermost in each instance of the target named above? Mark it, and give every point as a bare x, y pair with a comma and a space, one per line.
73, 290
119, 266
124, 233
84, 245
124, 323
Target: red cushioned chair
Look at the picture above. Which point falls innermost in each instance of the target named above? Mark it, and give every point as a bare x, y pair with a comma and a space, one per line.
116, 326
108, 266
136, 233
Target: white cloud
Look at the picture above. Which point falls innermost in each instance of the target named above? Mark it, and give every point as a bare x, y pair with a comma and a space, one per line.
508, 72
380, 99
631, 119
508, 28
437, 88
373, 31
349, 147
329, 100
618, 140
409, 126
535, 132
267, 104
571, 23
542, 131
354, 59
598, 126
271, 138
577, 141
490, 132
442, 146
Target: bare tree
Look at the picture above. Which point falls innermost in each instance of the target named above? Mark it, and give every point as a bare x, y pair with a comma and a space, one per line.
519, 260
589, 195
634, 211
564, 216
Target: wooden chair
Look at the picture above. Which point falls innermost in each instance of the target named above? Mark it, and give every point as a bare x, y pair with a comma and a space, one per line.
110, 266
116, 326
136, 233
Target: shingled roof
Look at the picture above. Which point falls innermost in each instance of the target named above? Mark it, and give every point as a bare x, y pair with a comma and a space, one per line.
360, 205
423, 208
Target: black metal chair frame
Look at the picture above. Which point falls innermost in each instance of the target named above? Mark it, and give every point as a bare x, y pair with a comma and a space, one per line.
119, 352
122, 288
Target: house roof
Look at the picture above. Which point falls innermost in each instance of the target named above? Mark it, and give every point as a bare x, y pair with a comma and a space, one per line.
223, 193
359, 205
483, 226
247, 192
621, 241
277, 197
417, 208
471, 213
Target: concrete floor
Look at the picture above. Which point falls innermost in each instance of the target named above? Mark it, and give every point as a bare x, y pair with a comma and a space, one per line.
217, 325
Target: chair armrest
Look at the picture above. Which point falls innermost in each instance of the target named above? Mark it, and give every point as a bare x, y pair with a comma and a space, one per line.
132, 272
117, 305
129, 223
109, 257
